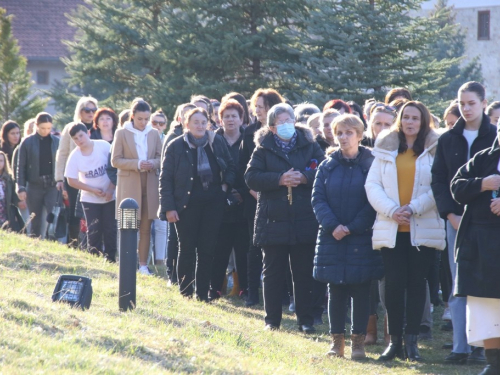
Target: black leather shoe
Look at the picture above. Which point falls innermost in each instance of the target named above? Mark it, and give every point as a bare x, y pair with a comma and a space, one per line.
271, 327
395, 349
306, 328
456, 358
411, 348
493, 360
476, 357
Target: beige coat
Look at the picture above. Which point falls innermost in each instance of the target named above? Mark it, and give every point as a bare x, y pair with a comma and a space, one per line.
426, 226
124, 157
66, 145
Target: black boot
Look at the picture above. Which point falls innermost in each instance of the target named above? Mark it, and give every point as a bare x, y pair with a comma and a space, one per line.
395, 349
493, 360
252, 298
411, 348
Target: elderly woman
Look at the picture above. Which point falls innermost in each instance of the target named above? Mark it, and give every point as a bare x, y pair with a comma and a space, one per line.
105, 125
407, 229
344, 255
136, 154
476, 185
197, 172
282, 171
84, 113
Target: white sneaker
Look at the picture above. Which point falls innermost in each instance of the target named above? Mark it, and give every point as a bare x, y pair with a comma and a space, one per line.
144, 270
446, 314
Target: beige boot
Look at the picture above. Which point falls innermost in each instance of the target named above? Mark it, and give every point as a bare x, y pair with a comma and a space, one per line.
338, 345
358, 347
371, 331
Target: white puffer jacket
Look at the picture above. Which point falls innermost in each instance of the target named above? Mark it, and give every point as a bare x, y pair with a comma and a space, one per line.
426, 227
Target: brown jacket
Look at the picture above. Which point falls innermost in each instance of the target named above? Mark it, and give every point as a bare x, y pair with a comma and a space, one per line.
124, 157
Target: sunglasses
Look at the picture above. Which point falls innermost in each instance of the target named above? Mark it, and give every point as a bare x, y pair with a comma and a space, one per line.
384, 108
89, 110
158, 123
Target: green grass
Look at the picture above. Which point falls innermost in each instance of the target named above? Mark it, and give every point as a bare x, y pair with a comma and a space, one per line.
166, 333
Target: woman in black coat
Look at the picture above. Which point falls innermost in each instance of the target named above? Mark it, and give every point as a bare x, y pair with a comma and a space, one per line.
344, 255
197, 171
477, 186
282, 171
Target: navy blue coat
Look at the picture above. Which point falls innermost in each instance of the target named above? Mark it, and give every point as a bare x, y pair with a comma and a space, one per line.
339, 198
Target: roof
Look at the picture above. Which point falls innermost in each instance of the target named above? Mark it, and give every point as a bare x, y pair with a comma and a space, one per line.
463, 3
40, 26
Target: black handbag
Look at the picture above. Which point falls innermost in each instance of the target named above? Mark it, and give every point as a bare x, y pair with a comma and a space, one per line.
16, 223
57, 219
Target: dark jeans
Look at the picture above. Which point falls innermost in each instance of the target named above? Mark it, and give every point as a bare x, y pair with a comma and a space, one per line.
406, 268
254, 262
338, 300
276, 260
101, 228
197, 229
73, 220
231, 235
172, 252
38, 197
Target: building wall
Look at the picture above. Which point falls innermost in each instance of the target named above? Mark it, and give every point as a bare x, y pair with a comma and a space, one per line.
55, 71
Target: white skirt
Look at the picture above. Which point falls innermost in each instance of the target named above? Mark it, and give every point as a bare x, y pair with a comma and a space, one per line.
483, 319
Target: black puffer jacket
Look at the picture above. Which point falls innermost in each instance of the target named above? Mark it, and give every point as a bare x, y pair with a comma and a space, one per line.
176, 177
246, 149
451, 154
276, 221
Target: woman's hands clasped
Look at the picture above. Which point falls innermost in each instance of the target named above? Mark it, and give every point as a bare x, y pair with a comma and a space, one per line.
340, 232
402, 215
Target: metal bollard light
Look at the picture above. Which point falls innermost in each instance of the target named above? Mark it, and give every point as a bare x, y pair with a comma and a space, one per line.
128, 224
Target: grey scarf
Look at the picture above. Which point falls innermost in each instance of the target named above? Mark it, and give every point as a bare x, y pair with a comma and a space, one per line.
203, 165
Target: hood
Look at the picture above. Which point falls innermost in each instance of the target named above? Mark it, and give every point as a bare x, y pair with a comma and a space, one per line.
387, 142
302, 132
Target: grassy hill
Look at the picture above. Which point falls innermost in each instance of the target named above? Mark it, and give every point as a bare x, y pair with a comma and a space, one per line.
166, 333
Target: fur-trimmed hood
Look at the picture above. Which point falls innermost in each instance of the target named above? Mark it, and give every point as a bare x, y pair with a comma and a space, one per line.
262, 133
387, 143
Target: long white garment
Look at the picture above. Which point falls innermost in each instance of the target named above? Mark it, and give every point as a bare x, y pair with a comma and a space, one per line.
483, 319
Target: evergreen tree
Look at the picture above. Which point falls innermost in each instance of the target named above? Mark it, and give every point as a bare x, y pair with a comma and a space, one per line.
452, 45
358, 49
17, 102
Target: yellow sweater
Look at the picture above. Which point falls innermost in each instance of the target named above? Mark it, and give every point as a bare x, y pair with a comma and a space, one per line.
405, 164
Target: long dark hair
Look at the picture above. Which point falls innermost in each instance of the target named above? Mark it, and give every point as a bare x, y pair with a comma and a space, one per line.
425, 121
4, 139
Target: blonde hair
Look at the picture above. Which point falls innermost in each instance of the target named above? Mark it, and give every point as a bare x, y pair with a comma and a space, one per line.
81, 104
351, 121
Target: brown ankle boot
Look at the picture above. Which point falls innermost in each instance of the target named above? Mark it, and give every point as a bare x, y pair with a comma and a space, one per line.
371, 331
338, 345
358, 347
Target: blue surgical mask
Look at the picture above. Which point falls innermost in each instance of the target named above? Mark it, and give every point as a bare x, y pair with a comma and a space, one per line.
286, 131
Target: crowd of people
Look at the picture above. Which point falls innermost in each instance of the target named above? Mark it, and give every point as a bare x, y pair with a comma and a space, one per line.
376, 207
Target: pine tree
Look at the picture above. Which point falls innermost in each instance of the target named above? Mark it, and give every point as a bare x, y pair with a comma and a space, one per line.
17, 101
358, 49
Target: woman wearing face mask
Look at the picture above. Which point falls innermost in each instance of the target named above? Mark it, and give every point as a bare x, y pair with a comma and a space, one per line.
407, 229
471, 133
197, 171
282, 171
35, 171
136, 154
84, 113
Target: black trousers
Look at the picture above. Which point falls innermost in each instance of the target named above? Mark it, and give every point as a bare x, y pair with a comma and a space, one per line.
254, 262
231, 235
338, 300
172, 252
406, 268
73, 220
276, 260
319, 293
445, 275
101, 229
198, 229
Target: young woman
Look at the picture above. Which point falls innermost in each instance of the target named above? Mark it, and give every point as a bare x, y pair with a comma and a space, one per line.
282, 171
136, 154
381, 118
84, 113
451, 115
477, 185
493, 112
35, 171
408, 229
10, 138
197, 171
8, 196
104, 125
344, 255
471, 133
86, 171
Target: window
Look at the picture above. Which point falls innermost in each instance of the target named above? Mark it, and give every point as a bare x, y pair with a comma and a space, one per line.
42, 77
483, 25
